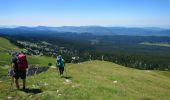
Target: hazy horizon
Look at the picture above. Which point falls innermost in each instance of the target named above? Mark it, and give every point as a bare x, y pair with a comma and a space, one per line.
15, 26
109, 13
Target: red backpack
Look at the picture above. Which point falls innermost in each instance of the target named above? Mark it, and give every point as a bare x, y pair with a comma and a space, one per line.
22, 63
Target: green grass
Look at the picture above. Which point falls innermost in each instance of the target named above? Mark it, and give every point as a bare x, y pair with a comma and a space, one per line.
6, 45
40, 60
5, 58
94, 80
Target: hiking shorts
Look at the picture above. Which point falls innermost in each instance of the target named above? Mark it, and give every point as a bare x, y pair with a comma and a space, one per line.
21, 75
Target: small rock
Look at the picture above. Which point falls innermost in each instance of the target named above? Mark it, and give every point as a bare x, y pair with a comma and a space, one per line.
52, 66
59, 94
57, 91
67, 81
9, 97
76, 85
45, 84
147, 71
30, 96
114, 82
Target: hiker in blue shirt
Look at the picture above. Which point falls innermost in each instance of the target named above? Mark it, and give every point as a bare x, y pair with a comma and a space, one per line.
60, 65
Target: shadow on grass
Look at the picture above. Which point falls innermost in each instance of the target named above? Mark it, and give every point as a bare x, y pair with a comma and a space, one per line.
67, 77
34, 91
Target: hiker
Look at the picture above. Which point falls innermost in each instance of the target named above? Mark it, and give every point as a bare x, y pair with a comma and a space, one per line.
60, 65
19, 64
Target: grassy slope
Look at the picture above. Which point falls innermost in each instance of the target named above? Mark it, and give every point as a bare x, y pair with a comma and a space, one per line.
90, 80
5, 44
94, 80
5, 57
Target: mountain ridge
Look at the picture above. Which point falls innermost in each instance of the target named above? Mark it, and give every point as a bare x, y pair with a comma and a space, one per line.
96, 30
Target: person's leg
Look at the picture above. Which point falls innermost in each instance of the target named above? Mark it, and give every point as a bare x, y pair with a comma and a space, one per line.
62, 70
16, 77
24, 82
23, 77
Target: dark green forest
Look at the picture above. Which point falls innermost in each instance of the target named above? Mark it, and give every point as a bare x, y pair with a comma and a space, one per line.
124, 50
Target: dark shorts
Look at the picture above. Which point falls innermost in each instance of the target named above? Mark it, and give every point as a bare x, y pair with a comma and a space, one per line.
61, 68
21, 75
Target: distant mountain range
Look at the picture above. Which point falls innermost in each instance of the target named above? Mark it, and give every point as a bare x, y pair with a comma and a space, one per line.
95, 30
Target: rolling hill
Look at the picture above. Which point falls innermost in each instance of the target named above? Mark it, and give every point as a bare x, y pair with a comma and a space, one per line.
94, 30
91, 80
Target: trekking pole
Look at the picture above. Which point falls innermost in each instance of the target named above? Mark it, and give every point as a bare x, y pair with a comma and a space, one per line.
34, 73
11, 87
12, 79
34, 76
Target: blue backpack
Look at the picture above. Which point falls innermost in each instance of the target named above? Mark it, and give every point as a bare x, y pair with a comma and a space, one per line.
59, 62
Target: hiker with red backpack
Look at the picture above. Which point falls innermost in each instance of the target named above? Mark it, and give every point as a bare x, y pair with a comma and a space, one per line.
19, 64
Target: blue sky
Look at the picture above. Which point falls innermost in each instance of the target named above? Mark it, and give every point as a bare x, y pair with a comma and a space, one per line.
130, 13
